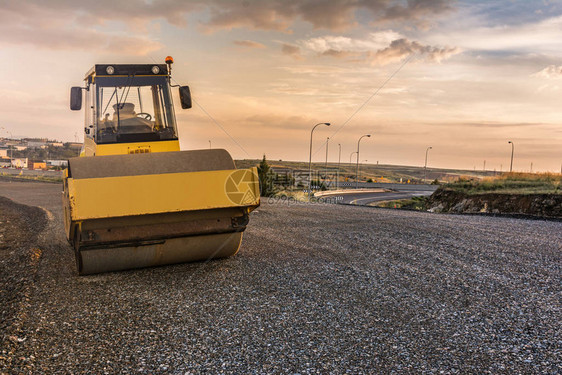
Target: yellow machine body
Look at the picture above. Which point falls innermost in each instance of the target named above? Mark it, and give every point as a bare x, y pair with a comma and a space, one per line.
91, 148
146, 203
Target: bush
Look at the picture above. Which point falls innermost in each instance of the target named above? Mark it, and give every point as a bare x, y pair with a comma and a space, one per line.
266, 177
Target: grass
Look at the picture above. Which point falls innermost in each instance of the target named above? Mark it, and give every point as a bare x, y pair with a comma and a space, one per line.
415, 203
373, 171
31, 178
510, 183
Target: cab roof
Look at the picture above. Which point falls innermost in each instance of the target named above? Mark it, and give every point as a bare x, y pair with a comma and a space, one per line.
127, 70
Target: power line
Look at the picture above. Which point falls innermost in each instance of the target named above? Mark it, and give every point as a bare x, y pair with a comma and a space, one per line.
212, 118
369, 98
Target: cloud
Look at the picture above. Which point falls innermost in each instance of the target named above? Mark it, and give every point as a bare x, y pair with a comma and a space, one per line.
291, 50
273, 120
61, 39
374, 41
551, 71
334, 15
414, 10
379, 48
317, 70
541, 37
57, 28
401, 48
278, 15
87, 25
249, 44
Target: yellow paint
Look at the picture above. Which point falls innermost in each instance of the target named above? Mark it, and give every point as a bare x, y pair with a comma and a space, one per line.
91, 148
159, 193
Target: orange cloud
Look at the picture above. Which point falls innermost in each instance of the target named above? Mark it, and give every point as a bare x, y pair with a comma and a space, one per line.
291, 50
379, 48
401, 48
551, 71
249, 44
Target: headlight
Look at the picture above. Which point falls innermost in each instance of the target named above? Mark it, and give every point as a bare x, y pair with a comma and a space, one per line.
110, 70
155, 69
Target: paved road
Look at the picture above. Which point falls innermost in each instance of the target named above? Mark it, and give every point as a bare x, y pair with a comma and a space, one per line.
316, 288
398, 191
393, 186
365, 198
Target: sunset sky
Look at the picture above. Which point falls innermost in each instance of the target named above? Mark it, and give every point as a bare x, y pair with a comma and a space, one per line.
464, 77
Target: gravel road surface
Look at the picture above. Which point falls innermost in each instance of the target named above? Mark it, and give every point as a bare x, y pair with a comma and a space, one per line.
314, 289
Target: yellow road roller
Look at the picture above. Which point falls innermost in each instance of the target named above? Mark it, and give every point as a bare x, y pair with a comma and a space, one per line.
133, 199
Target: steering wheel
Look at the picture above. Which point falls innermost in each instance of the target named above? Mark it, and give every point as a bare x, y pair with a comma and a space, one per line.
146, 116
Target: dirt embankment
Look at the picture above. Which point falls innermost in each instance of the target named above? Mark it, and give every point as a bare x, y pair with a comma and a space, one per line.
540, 205
20, 226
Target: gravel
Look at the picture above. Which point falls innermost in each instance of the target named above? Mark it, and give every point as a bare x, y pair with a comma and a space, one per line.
314, 289
19, 258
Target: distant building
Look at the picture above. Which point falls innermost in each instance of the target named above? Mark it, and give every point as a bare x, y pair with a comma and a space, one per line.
75, 145
3, 152
56, 144
41, 165
57, 163
36, 144
19, 163
4, 162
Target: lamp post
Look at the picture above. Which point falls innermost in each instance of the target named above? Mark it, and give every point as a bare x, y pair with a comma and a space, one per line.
338, 171
326, 163
425, 165
350, 155
357, 167
512, 148
210, 144
363, 161
310, 159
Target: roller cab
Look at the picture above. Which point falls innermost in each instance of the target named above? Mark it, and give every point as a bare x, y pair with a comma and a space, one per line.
133, 199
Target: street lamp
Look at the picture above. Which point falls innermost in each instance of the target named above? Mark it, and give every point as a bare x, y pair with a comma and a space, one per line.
210, 144
363, 161
310, 159
425, 165
357, 167
350, 155
512, 148
338, 171
326, 163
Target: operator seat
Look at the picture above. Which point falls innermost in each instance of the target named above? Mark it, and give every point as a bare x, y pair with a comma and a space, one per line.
128, 120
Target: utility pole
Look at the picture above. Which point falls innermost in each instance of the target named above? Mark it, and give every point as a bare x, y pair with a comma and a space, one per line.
484, 168
11, 146
210, 144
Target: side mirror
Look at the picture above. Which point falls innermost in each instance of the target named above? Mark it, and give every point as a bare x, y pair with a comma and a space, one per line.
76, 98
185, 97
